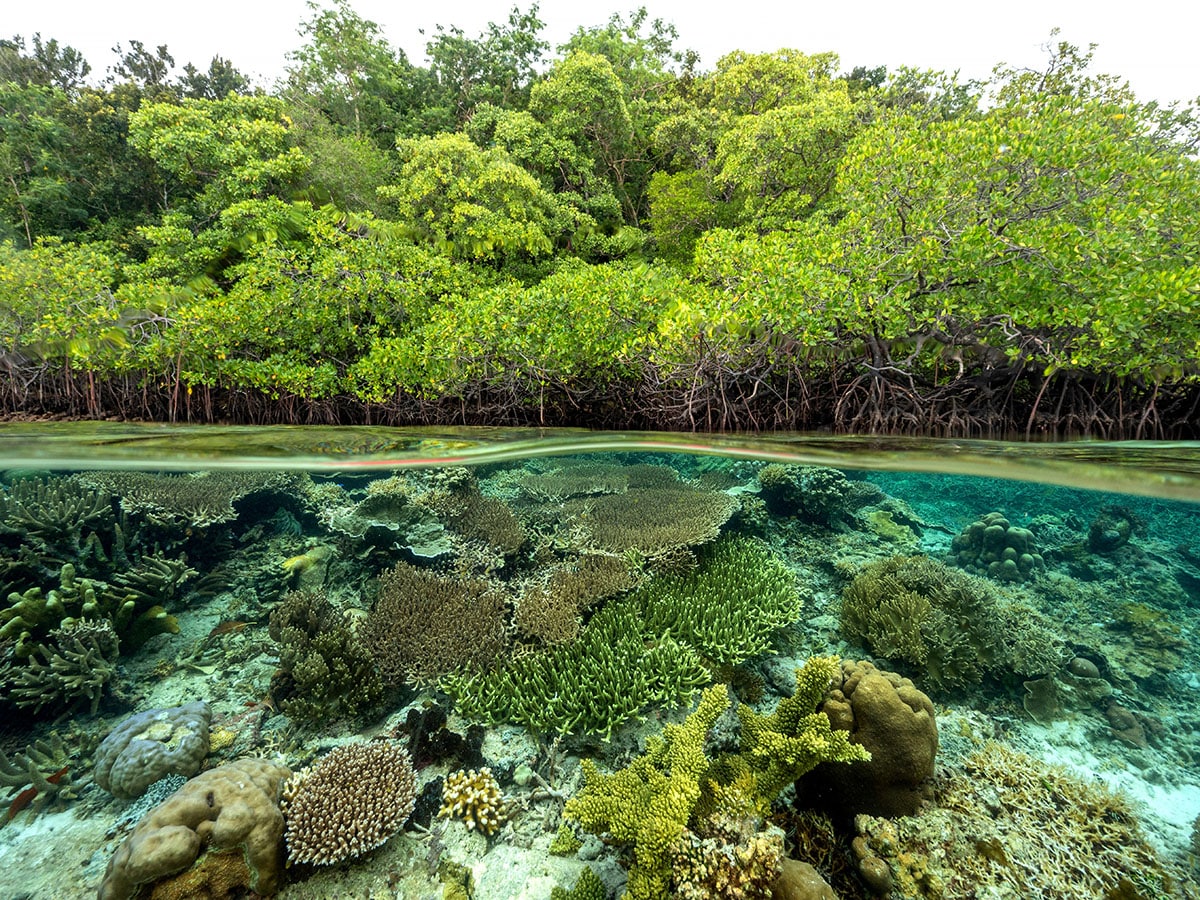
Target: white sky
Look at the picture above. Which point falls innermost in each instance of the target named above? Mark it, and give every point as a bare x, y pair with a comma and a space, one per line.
1146, 43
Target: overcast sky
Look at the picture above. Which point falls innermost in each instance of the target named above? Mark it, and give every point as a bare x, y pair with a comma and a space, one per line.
1146, 43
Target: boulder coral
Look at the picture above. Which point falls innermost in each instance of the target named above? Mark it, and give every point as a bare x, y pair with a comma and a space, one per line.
223, 827
151, 745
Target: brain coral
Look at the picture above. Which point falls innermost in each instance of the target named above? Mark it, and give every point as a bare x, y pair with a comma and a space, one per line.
234, 808
153, 744
348, 802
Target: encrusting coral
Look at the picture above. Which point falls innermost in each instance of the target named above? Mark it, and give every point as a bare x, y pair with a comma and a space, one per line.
424, 625
151, 745
222, 826
953, 626
348, 802
473, 796
325, 672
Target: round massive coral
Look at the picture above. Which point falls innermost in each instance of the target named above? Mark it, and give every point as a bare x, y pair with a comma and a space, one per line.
151, 745
348, 802
220, 829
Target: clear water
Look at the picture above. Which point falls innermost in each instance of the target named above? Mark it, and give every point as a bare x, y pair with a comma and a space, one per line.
1043, 597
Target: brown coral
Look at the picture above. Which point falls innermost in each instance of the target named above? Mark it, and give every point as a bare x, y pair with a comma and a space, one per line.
651, 521
348, 802
234, 807
424, 625
549, 610
190, 501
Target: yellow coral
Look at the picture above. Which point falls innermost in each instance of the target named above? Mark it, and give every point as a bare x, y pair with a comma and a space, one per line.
473, 796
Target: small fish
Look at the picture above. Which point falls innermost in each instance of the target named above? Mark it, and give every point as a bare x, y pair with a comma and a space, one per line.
23, 799
227, 627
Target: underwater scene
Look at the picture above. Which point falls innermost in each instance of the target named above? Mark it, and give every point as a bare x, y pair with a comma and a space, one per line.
374, 663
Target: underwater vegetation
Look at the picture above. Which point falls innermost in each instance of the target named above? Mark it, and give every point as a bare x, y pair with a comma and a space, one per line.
639, 676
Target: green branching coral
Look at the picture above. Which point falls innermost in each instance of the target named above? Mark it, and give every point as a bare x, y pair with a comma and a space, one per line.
612, 672
728, 609
795, 738
54, 513
76, 663
956, 627
648, 803
325, 672
587, 887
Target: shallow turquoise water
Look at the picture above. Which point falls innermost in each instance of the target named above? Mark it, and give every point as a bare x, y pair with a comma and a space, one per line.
1056, 588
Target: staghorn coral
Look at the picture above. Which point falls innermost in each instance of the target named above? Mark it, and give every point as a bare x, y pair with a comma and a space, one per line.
54, 513
481, 518
729, 608
228, 818
615, 669
993, 547
39, 777
425, 625
549, 609
795, 738
954, 626
151, 745
348, 802
196, 500
650, 521
75, 664
648, 803
325, 671
473, 795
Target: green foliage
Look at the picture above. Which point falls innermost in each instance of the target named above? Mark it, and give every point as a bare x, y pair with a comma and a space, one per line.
471, 203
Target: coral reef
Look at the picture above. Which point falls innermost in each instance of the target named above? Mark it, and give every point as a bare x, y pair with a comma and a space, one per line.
348, 802
228, 818
816, 494
75, 665
745, 866
615, 669
549, 608
390, 517
481, 518
730, 608
894, 722
648, 803
473, 796
52, 514
955, 627
992, 546
325, 672
197, 500
1006, 822
587, 887
424, 625
795, 738
650, 521
151, 744
38, 777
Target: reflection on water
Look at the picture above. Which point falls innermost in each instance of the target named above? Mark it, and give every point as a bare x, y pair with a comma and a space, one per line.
456, 662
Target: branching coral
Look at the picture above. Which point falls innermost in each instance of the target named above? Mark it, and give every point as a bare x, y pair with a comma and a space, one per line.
729, 609
424, 625
955, 626
39, 777
75, 665
325, 672
54, 513
648, 803
473, 795
611, 673
348, 802
549, 609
